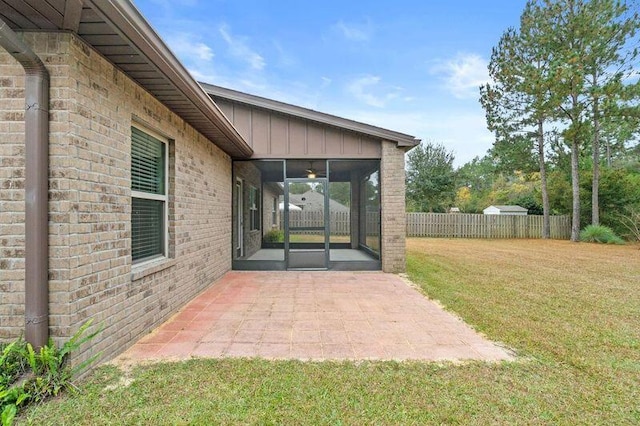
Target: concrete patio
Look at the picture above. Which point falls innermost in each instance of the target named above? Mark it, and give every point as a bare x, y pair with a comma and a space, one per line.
314, 316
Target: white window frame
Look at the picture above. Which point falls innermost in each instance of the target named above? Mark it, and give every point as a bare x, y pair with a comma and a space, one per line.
157, 197
239, 191
255, 221
274, 212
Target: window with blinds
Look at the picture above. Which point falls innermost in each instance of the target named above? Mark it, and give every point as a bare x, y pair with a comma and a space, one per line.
149, 195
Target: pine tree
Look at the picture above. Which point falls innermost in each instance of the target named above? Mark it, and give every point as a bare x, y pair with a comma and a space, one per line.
518, 103
570, 64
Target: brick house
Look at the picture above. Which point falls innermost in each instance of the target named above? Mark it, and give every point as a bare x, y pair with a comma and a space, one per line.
157, 185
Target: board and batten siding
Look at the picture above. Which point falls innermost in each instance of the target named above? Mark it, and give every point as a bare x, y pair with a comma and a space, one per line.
275, 135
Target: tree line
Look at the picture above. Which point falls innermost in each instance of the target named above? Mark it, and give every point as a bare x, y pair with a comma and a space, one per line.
563, 104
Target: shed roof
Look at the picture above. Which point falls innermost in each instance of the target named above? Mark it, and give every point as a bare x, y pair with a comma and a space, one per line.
117, 30
510, 208
402, 139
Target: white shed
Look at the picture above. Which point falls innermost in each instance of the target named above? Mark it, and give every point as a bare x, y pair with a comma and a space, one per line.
506, 210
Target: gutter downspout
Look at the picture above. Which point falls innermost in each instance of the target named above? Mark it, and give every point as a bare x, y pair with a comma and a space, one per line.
36, 120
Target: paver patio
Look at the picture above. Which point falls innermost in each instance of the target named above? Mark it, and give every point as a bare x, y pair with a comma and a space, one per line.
314, 316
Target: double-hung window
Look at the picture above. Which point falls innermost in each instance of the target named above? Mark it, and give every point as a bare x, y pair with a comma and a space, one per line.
254, 210
149, 169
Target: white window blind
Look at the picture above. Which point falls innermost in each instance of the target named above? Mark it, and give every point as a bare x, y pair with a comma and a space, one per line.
149, 197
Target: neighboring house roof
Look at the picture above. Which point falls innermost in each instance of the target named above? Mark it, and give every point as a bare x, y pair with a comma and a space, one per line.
314, 201
274, 187
292, 207
402, 139
117, 30
509, 208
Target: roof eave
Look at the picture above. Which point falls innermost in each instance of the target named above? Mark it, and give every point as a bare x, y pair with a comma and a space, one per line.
133, 27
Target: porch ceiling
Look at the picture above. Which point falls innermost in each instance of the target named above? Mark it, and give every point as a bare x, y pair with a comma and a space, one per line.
120, 33
339, 170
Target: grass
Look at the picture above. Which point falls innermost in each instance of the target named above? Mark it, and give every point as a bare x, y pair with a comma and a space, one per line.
570, 311
314, 238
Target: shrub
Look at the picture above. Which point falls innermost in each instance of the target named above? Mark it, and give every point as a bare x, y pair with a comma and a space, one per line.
599, 234
29, 376
274, 236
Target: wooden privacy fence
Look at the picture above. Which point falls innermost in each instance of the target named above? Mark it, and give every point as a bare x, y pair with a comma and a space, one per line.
447, 225
463, 225
339, 222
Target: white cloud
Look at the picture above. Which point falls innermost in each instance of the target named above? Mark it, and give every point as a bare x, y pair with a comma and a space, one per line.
462, 131
360, 89
285, 58
206, 76
188, 48
463, 74
367, 89
238, 47
355, 32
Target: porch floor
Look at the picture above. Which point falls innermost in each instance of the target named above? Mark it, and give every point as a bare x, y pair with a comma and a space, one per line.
339, 255
314, 316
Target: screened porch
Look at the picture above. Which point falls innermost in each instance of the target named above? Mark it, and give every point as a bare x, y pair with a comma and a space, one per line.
306, 214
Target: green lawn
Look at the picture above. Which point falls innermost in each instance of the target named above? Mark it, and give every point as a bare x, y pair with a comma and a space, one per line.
311, 238
571, 311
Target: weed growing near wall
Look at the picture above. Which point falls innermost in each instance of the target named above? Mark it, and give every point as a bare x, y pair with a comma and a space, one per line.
28, 376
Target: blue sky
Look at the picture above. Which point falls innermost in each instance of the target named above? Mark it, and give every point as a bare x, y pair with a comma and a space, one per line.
409, 66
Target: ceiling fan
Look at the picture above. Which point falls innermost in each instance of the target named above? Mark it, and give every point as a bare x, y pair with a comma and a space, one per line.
313, 173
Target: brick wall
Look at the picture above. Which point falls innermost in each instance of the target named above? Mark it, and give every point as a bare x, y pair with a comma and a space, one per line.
251, 177
268, 197
12, 162
393, 220
93, 105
